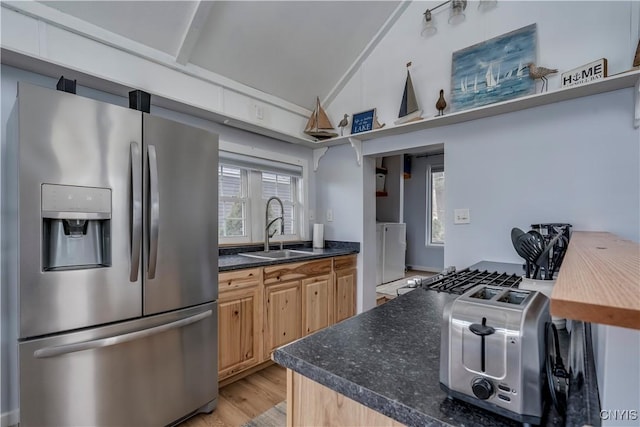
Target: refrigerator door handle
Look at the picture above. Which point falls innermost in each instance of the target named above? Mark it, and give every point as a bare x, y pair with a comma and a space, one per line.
136, 195
118, 339
154, 208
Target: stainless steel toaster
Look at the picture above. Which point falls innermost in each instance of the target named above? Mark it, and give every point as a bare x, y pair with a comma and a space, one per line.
492, 351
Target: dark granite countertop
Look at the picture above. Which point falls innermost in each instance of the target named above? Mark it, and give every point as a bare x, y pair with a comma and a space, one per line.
229, 260
388, 359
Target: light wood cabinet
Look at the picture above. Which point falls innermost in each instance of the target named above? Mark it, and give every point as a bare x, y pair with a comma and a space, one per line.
312, 404
345, 287
317, 306
282, 315
240, 321
263, 308
286, 287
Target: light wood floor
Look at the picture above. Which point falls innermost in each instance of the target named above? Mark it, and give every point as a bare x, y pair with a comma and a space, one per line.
245, 399
382, 298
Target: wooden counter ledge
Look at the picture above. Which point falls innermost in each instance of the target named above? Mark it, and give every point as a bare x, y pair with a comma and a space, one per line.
599, 281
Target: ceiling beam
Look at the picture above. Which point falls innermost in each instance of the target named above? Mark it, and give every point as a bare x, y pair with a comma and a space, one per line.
192, 33
49, 15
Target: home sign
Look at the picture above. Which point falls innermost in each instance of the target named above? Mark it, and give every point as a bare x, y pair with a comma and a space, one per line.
596, 70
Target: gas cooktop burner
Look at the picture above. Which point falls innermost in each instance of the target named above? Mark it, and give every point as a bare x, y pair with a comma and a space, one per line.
461, 281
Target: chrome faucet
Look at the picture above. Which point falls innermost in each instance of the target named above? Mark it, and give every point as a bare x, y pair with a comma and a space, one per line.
268, 223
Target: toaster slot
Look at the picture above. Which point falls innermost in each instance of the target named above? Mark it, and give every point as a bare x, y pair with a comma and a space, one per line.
486, 293
514, 297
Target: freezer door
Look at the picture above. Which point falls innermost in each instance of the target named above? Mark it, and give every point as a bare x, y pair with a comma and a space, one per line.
85, 147
181, 215
146, 372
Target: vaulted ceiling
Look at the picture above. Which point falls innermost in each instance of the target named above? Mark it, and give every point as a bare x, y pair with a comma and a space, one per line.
293, 50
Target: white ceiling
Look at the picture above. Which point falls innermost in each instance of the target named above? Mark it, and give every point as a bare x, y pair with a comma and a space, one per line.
294, 50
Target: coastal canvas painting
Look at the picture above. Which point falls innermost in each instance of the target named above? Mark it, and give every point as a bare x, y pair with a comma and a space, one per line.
494, 70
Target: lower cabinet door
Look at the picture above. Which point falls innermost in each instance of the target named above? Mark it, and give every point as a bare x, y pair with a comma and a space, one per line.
317, 306
240, 317
345, 296
283, 317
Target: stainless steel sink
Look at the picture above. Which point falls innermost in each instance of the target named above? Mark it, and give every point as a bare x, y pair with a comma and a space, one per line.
283, 254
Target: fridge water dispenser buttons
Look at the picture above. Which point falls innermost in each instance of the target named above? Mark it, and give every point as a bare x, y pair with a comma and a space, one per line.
59, 199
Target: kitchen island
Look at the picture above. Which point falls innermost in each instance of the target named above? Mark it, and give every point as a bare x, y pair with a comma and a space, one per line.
386, 361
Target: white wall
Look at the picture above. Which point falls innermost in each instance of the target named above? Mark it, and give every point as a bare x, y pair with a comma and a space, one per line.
576, 161
619, 348
570, 34
9, 76
348, 190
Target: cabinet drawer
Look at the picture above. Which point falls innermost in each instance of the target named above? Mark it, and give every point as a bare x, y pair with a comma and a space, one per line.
344, 262
238, 279
295, 271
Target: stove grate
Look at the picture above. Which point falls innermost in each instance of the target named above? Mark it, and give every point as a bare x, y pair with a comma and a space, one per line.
461, 281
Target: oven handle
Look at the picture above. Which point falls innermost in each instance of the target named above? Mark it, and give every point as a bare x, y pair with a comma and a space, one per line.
118, 339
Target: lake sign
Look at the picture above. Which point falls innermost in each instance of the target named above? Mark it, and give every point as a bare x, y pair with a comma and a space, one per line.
363, 122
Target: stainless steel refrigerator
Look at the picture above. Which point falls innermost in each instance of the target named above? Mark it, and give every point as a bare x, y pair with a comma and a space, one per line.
112, 219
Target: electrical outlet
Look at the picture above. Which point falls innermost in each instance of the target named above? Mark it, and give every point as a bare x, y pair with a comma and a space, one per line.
461, 216
329, 214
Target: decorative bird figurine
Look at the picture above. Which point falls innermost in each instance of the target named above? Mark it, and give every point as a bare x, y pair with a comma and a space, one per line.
441, 104
540, 73
343, 123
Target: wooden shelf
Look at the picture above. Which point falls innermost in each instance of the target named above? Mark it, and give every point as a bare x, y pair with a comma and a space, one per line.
381, 194
618, 81
381, 170
599, 281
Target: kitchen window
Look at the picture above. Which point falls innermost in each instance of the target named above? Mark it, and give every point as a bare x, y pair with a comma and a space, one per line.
435, 210
233, 203
245, 184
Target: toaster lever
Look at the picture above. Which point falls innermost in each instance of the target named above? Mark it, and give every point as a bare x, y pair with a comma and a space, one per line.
481, 329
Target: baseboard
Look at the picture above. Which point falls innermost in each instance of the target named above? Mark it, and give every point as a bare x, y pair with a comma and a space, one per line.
10, 419
423, 268
245, 373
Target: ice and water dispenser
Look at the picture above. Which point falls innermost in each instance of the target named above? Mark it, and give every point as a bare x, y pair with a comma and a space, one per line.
76, 227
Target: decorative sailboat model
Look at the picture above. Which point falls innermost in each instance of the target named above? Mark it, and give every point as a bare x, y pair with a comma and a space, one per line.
319, 124
409, 110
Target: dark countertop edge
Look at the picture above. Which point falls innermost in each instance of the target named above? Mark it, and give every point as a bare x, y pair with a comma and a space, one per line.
331, 249
305, 244
367, 398
583, 402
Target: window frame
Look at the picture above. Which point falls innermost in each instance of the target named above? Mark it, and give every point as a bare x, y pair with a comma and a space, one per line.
431, 169
247, 203
256, 204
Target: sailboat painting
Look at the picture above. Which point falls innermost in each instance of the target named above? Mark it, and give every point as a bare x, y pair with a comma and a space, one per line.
409, 110
493, 71
319, 125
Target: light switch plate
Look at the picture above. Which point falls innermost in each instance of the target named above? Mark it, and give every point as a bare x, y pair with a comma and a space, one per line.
461, 216
329, 214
